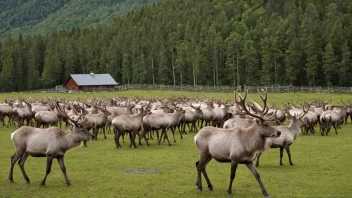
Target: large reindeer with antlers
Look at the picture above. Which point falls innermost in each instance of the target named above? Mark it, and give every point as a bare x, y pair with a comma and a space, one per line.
236, 145
50, 143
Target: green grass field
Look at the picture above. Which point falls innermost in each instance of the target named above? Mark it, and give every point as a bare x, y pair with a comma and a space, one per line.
322, 164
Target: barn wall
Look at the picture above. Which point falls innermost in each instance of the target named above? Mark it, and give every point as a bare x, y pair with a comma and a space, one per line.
72, 85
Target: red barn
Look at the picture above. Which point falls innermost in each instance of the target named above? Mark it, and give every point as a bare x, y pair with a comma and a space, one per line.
89, 81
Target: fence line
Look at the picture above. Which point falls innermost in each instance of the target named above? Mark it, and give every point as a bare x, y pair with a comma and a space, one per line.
207, 88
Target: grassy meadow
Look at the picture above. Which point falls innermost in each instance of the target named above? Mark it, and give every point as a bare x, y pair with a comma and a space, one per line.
322, 164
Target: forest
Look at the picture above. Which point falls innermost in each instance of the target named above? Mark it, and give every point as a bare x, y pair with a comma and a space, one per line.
194, 42
38, 16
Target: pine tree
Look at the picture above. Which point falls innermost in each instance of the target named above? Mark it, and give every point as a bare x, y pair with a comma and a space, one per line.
344, 65
329, 64
7, 72
312, 64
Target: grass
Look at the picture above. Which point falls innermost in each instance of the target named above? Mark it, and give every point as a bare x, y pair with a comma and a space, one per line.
322, 164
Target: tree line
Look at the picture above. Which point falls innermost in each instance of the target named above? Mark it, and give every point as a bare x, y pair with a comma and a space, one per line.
213, 42
38, 16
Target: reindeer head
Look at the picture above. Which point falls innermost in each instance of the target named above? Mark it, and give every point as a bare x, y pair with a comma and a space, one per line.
262, 125
78, 128
298, 118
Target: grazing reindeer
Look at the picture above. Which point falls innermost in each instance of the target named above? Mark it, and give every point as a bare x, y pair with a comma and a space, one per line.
51, 143
236, 145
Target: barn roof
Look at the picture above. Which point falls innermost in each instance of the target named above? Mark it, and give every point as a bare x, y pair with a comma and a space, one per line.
93, 79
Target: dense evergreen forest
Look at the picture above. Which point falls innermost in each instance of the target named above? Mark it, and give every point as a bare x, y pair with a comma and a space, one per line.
44, 16
196, 42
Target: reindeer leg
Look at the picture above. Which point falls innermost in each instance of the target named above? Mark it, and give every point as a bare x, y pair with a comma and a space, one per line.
258, 157
251, 167
167, 138
134, 138
181, 133
85, 143
131, 138
200, 165
103, 128
117, 141
287, 148
199, 177
194, 127
15, 157
145, 138
173, 130
49, 162
335, 128
281, 154
234, 165
63, 169
21, 164
210, 186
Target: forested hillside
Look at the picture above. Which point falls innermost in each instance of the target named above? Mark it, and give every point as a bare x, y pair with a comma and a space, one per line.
219, 42
38, 16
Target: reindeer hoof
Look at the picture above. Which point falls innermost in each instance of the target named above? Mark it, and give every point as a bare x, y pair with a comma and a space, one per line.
11, 180
68, 184
231, 194
42, 183
267, 196
291, 164
200, 189
210, 188
281, 164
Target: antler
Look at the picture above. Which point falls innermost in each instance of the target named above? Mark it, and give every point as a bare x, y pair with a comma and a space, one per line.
241, 101
265, 108
63, 112
304, 112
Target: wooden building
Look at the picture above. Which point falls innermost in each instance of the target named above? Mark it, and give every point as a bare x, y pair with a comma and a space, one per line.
90, 81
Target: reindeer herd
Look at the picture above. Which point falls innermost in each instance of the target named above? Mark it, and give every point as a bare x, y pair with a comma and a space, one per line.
237, 133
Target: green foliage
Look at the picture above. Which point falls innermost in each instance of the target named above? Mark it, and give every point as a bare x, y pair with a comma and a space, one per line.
190, 42
36, 16
329, 61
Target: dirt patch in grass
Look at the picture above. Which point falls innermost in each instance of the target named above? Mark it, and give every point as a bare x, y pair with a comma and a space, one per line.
142, 171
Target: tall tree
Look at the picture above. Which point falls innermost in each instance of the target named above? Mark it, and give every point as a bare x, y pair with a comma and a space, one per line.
329, 66
7, 72
345, 65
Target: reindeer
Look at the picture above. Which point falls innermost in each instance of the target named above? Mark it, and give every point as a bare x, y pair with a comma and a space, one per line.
97, 121
129, 123
6, 110
160, 121
23, 113
51, 143
236, 145
190, 117
288, 135
331, 118
46, 118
